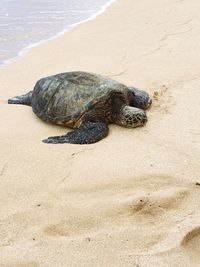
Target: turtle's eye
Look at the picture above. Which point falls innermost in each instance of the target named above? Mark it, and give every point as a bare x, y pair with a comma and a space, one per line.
133, 93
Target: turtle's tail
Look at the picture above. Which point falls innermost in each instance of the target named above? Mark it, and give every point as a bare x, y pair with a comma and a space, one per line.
22, 100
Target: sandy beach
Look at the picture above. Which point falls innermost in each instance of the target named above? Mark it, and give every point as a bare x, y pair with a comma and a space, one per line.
131, 199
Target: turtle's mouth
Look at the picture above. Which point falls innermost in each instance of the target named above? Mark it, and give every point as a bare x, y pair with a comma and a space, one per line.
144, 105
149, 103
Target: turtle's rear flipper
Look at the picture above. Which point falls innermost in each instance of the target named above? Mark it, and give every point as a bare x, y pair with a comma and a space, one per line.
23, 99
87, 133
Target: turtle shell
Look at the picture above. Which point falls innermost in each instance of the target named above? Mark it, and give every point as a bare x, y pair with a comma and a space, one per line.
65, 97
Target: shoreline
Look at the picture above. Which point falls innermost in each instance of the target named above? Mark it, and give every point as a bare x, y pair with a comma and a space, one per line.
27, 48
132, 198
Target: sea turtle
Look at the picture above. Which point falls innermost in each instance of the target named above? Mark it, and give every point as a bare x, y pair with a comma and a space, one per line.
86, 102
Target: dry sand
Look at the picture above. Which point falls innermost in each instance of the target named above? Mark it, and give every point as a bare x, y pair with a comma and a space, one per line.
131, 199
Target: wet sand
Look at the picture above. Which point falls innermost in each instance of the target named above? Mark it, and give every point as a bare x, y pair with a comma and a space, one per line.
131, 199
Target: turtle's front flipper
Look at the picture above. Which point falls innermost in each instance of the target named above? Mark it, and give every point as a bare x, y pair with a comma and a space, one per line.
87, 133
22, 100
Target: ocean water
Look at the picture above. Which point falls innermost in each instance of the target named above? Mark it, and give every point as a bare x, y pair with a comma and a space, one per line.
27, 23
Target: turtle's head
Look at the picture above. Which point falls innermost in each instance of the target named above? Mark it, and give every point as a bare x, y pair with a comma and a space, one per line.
139, 98
132, 117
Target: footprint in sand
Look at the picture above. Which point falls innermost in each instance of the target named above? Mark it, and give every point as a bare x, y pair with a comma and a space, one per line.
190, 244
183, 236
192, 236
150, 206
